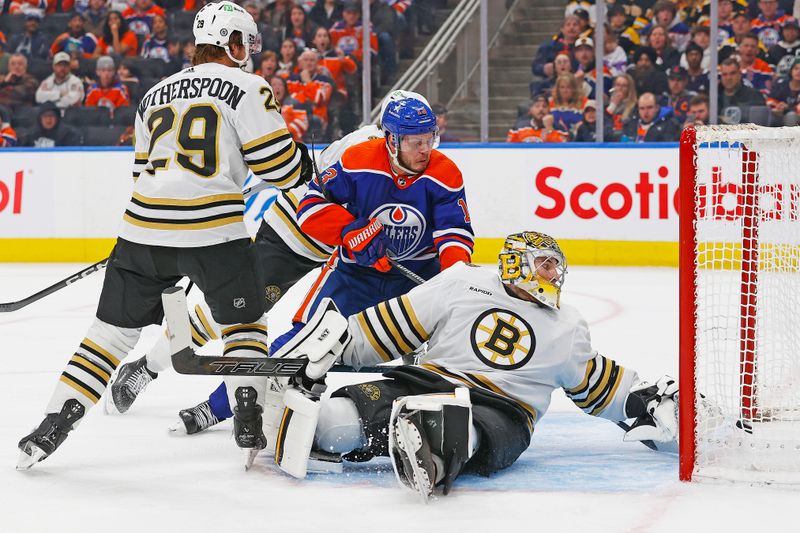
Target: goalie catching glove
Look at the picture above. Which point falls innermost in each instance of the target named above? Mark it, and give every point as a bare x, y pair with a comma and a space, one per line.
364, 241
655, 408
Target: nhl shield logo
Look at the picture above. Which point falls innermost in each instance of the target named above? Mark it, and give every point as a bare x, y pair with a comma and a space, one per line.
403, 225
239, 303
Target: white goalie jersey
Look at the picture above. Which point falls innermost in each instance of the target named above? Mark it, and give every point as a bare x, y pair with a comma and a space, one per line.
198, 133
479, 336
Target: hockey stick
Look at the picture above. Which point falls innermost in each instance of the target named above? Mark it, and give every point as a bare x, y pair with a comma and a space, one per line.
186, 361
19, 304
8, 307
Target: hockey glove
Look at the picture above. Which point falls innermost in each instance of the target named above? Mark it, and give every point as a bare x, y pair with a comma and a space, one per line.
656, 410
306, 164
364, 241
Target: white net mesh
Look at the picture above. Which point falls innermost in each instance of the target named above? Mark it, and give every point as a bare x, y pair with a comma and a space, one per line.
747, 203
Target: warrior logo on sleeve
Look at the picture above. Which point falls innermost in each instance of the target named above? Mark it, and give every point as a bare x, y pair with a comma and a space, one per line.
502, 339
403, 225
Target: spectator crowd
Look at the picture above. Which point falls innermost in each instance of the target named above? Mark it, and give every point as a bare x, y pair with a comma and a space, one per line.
656, 56
72, 71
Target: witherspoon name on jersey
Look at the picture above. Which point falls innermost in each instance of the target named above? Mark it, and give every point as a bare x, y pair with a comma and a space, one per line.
186, 89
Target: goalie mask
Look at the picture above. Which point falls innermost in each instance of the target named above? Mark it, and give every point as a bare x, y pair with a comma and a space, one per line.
535, 263
215, 23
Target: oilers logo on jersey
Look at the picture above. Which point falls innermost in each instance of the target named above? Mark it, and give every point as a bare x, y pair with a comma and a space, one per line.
502, 339
403, 225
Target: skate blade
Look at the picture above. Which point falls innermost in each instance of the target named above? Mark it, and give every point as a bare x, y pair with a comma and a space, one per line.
31, 455
178, 429
408, 447
250, 457
109, 407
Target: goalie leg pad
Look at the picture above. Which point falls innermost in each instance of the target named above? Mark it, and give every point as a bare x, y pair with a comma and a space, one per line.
431, 437
296, 433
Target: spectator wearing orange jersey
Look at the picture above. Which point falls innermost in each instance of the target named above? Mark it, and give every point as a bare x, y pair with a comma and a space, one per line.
75, 40
347, 33
287, 58
293, 114
537, 127
767, 26
107, 91
337, 63
140, 16
8, 137
310, 87
754, 69
117, 38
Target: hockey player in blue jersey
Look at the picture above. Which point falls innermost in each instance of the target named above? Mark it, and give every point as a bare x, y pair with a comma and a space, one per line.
397, 195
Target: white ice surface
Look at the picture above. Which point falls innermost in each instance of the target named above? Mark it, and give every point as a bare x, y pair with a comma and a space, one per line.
128, 474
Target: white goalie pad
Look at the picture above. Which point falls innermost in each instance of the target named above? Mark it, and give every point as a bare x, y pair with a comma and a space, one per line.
296, 433
322, 340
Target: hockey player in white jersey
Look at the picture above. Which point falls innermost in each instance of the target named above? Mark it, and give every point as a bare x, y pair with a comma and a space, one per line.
198, 133
498, 346
286, 254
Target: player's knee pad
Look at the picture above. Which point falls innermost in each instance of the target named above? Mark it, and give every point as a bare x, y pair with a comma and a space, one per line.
89, 370
431, 437
339, 429
296, 432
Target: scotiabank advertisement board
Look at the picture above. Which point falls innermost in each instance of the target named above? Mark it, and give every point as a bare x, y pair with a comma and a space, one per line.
618, 194
603, 202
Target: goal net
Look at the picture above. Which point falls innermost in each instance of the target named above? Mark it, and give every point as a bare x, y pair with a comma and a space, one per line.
740, 304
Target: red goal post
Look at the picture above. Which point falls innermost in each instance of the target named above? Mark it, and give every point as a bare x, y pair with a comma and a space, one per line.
740, 304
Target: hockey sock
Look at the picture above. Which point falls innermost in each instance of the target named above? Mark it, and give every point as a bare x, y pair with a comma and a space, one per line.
218, 400
86, 376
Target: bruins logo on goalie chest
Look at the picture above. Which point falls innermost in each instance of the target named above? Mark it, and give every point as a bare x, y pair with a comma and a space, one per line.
502, 339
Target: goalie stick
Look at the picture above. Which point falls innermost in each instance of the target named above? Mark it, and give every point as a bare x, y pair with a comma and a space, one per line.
8, 307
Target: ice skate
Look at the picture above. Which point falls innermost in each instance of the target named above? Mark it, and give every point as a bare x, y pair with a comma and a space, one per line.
418, 468
247, 422
195, 419
132, 378
46, 439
